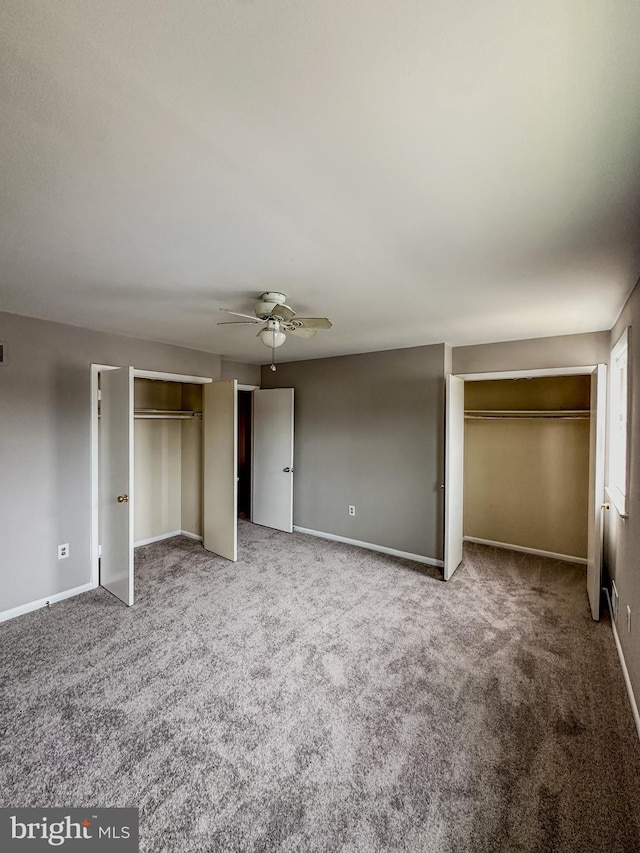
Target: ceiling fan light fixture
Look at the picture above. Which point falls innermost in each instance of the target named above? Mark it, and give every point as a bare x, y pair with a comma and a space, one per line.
271, 336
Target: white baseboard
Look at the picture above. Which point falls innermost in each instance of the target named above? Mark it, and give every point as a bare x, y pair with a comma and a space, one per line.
43, 602
191, 535
156, 538
417, 558
623, 664
566, 557
162, 536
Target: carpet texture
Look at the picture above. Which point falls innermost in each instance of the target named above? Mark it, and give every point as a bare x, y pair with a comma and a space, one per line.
318, 697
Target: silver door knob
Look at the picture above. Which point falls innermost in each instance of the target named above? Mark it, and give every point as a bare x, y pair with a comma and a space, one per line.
123, 499
288, 470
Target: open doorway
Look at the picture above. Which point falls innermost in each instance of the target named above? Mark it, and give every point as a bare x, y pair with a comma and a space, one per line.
526, 465
207, 473
147, 463
245, 427
455, 467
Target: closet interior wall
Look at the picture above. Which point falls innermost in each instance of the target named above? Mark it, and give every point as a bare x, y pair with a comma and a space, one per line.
527, 478
168, 461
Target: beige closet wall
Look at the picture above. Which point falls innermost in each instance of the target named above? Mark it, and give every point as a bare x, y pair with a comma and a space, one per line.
168, 462
526, 481
158, 460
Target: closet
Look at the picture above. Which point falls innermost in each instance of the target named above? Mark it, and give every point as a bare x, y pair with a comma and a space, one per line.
526, 463
168, 460
177, 454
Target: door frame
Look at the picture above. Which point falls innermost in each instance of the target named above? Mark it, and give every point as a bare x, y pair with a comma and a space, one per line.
250, 388
96, 369
582, 370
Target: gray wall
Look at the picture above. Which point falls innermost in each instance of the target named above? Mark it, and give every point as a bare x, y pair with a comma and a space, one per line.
622, 537
246, 374
369, 432
45, 446
534, 354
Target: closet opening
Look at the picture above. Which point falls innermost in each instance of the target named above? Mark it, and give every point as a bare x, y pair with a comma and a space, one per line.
245, 451
164, 462
167, 460
522, 484
526, 464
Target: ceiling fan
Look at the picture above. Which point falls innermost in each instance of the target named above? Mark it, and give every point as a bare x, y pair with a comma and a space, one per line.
278, 320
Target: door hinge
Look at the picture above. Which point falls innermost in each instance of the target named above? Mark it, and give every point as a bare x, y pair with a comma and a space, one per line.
99, 550
99, 394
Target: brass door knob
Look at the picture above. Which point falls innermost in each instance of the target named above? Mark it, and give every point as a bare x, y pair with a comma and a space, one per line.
123, 499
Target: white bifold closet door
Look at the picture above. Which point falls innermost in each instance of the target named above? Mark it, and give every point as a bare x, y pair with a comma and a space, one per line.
272, 504
453, 475
116, 482
220, 448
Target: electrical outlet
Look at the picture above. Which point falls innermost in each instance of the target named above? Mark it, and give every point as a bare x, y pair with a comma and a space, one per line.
63, 551
628, 619
352, 510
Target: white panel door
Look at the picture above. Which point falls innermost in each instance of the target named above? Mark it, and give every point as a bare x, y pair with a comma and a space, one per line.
220, 452
116, 482
272, 503
596, 487
453, 475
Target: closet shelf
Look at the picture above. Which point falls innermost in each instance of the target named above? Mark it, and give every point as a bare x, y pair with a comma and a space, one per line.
166, 414
519, 414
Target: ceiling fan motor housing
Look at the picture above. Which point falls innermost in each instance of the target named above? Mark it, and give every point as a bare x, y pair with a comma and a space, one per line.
268, 302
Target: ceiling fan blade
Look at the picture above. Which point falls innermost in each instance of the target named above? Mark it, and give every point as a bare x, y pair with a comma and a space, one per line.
236, 323
238, 314
283, 312
313, 322
301, 332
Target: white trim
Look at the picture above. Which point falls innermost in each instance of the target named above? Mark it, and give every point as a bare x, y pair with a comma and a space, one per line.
616, 498
190, 535
622, 345
623, 665
527, 374
162, 536
248, 387
523, 550
159, 538
417, 558
171, 377
43, 602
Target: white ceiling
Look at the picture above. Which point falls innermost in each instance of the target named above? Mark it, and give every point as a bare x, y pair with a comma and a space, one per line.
416, 170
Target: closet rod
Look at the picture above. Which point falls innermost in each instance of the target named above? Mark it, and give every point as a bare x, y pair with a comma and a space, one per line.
162, 414
567, 414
